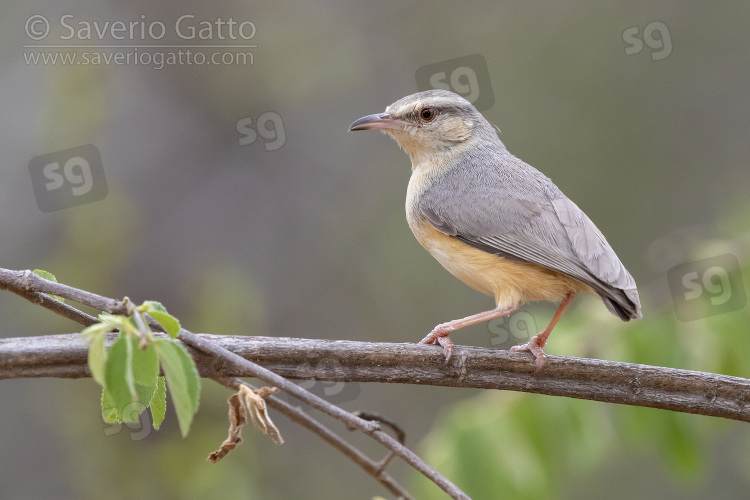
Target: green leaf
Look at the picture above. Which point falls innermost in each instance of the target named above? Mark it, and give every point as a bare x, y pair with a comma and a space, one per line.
112, 319
118, 375
132, 412
51, 277
145, 366
150, 306
109, 322
170, 324
130, 326
146, 375
182, 378
109, 412
159, 403
97, 356
45, 274
96, 329
157, 311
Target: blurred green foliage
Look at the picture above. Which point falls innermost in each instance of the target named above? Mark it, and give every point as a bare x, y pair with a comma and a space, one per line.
524, 446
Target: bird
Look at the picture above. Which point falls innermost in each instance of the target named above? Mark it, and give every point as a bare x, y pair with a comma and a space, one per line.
495, 222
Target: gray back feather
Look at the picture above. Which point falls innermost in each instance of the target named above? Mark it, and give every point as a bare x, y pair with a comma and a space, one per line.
495, 202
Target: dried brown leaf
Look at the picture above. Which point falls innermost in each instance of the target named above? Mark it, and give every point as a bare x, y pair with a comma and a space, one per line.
256, 407
237, 420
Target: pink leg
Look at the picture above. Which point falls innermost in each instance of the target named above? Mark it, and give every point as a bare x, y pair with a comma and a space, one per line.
439, 334
535, 343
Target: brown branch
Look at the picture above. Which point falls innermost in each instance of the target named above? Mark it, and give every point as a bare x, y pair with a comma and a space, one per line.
33, 288
221, 357
347, 361
27, 281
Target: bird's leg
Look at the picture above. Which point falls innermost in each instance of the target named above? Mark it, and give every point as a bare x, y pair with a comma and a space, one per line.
439, 334
535, 343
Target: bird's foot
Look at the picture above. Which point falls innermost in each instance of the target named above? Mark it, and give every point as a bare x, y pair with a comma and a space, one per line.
534, 346
439, 335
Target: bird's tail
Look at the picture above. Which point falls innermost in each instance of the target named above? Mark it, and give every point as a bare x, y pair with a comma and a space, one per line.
623, 303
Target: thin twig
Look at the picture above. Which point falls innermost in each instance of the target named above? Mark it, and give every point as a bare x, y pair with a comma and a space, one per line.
54, 305
26, 281
295, 414
369, 428
257, 371
400, 434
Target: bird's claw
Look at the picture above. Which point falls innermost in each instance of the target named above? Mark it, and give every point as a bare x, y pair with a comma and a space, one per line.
439, 335
534, 347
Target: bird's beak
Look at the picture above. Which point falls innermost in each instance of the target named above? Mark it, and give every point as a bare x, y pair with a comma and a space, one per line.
382, 121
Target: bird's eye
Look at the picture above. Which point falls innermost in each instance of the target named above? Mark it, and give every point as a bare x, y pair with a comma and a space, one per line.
427, 114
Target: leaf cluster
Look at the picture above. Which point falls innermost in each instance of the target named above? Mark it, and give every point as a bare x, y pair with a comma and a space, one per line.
129, 372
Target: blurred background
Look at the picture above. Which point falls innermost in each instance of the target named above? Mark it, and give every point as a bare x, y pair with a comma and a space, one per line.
224, 184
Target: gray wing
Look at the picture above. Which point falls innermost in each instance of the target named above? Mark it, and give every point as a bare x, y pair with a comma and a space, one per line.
525, 217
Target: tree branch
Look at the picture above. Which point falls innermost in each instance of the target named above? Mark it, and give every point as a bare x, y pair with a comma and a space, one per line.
26, 281
348, 361
34, 288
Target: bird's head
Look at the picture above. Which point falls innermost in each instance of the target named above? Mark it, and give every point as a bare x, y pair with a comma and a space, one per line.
430, 124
